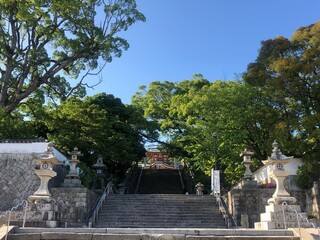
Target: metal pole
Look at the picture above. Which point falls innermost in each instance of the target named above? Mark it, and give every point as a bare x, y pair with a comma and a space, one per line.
298, 222
284, 217
8, 224
25, 214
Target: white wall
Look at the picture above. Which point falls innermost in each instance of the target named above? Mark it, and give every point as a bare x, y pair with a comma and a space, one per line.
30, 147
261, 175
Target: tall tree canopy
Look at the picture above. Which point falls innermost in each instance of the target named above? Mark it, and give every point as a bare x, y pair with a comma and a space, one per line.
98, 125
209, 124
40, 39
289, 71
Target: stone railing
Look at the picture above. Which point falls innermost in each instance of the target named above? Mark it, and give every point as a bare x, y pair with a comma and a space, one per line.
94, 213
230, 221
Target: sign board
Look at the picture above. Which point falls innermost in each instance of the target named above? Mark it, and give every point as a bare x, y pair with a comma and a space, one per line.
215, 182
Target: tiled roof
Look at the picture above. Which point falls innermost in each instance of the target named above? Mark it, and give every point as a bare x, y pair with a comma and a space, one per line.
22, 140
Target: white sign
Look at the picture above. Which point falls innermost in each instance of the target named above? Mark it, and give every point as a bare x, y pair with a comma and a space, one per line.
215, 182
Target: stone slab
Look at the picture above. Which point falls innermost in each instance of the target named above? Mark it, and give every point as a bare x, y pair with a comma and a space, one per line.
307, 233
155, 231
166, 237
66, 236
4, 229
278, 216
98, 236
280, 225
286, 208
25, 236
242, 237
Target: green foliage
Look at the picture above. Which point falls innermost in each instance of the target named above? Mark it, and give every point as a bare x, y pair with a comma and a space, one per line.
99, 125
210, 123
288, 71
13, 126
40, 39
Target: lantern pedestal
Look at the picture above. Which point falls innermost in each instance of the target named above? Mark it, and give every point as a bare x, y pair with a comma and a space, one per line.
43, 194
280, 195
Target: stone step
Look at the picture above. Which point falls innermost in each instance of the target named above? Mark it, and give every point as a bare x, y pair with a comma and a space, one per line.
160, 210
148, 234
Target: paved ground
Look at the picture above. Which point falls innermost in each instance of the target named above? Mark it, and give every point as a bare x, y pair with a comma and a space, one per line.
3, 231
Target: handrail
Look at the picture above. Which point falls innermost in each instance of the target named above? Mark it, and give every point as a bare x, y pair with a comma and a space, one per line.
297, 216
92, 218
225, 213
181, 179
10, 211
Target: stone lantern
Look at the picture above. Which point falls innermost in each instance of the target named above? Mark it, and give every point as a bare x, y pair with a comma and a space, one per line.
281, 211
72, 178
44, 166
41, 200
247, 180
199, 188
278, 173
247, 162
99, 167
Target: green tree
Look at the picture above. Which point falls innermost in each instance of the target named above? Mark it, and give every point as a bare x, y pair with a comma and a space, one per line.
288, 70
40, 39
98, 125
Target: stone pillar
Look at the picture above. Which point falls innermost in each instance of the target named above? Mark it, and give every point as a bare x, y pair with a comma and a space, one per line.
315, 199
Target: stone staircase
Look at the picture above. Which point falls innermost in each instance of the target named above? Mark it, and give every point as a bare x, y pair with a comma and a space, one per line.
160, 211
160, 181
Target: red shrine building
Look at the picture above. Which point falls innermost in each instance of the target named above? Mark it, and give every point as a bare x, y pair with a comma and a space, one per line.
156, 156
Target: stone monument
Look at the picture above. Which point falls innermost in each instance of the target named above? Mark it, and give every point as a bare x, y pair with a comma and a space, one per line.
281, 211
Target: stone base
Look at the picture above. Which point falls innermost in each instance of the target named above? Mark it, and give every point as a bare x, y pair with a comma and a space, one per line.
279, 200
248, 183
72, 183
51, 224
41, 199
279, 225
273, 218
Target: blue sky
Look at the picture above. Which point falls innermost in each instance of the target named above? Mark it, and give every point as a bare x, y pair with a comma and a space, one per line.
217, 38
